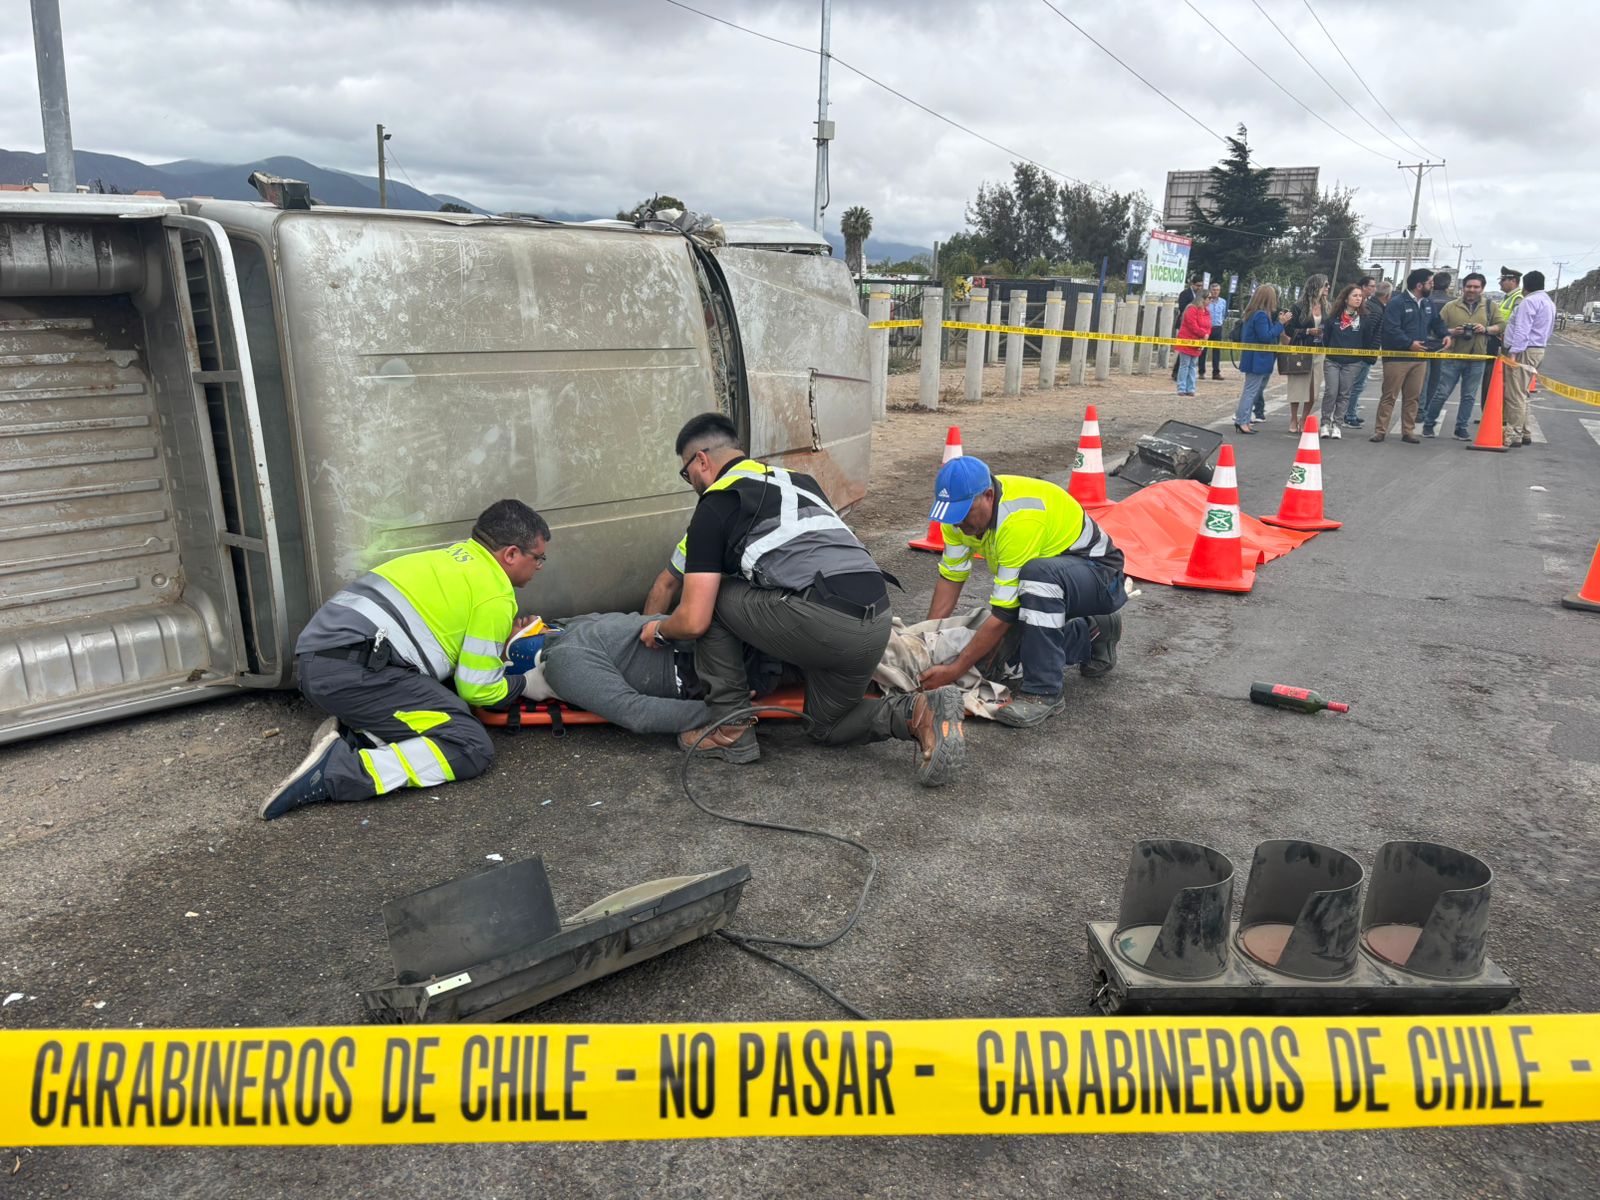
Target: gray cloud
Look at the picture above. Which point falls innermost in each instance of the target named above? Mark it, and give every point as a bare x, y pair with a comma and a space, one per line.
581, 107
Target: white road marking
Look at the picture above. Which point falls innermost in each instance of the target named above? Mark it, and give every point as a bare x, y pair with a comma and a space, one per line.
1593, 426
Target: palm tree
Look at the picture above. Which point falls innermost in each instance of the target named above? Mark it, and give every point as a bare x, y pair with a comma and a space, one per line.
856, 224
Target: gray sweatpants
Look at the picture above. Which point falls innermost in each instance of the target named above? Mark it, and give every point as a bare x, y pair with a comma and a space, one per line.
422, 732
838, 654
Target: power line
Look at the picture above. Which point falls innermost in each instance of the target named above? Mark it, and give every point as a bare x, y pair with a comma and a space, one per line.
1450, 200
1280, 86
1363, 82
1290, 43
954, 124
1107, 50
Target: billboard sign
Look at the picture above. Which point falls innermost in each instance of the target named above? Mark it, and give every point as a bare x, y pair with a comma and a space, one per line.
1416, 249
1168, 267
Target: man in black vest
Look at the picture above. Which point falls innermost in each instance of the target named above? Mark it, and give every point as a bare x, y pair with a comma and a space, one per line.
769, 564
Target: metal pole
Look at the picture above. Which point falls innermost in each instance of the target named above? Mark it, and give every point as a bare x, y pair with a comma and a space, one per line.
824, 126
1337, 259
1416, 201
1461, 249
52, 67
383, 174
1557, 287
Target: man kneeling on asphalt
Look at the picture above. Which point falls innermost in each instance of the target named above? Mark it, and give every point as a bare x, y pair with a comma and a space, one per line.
376, 657
1056, 573
769, 564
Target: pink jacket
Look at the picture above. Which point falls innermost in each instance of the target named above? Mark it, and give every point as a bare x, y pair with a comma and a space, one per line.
1196, 324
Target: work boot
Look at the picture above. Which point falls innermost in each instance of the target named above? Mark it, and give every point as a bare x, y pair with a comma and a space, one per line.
307, 783
936, 724
1411, 439
1027, 710
1103, 650
734, 742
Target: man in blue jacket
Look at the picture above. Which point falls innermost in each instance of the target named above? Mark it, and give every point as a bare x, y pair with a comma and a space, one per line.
1409, 321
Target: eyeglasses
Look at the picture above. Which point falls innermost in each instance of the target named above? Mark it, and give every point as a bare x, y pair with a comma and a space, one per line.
683, 472
538, 558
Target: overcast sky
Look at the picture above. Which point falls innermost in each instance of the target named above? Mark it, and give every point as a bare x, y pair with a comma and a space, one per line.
590, 104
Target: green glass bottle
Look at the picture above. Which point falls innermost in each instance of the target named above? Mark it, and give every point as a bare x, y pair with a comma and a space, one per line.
1278, 695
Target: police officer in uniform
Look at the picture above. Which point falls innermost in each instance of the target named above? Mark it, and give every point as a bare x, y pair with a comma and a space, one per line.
1511, 285
1058, 583
377, 657
768, 563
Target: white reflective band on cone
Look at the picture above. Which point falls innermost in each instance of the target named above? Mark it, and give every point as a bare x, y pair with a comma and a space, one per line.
1091, 429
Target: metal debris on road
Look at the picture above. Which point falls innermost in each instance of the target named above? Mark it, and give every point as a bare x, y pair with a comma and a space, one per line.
495, 857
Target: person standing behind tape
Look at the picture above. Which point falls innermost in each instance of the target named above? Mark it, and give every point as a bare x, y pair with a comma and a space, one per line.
1372, 323
377, 656
1185, 298
1342, 330
1057, 576
1408, 323
1467, 319
769, 564
1527, 333
1304, 328
1195, 327
1261, 328
1511, 287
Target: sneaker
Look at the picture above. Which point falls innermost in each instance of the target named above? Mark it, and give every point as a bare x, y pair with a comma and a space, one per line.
1463, 436
1377, 437
1527, 439
734, 742
1103, 650
307, 783
1427, 431
1326, 429
1333, 432
1027, 710
936, 724
1354, 422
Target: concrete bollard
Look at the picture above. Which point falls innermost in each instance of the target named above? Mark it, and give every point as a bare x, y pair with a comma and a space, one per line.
1014, 342
1149, 315
1055, 313
977, 345
878, 354
997, 316
1080, 348
1106, 324
932, 333
1127, 323
1164, 329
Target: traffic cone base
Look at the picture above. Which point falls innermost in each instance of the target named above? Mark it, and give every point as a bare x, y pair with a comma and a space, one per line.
1587, 597
1491, 424
933, 540
1088, 482
1217, 561
1301, 507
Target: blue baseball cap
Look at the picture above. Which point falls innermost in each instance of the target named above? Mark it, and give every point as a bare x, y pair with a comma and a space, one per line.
960, 481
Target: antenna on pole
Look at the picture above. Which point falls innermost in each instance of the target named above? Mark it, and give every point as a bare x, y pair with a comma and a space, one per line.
824, 126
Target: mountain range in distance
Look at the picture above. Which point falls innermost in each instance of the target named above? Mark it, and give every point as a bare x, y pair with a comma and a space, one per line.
229, 181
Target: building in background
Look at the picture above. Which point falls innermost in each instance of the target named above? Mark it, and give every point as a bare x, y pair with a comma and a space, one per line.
1297, 186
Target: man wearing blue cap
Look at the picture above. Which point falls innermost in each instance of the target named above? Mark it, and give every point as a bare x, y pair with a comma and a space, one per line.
1057, 578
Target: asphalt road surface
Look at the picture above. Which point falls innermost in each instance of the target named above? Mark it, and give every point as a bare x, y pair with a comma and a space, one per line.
1434, 610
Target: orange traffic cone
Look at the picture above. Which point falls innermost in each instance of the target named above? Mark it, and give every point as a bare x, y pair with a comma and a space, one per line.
1587, 597
934, 540
1302, 498
1217, 560
1088, 482
1492, 426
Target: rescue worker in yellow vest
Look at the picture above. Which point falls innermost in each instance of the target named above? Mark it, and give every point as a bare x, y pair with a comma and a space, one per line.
768, 564
1057, 578
378, 654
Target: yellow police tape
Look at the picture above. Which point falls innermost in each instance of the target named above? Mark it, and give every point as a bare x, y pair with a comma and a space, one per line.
491, 1083
1581, 395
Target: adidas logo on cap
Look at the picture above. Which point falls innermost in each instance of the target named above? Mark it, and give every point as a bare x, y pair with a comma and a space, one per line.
944, 493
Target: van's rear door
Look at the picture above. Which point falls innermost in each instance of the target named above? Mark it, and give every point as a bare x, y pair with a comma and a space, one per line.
803, 342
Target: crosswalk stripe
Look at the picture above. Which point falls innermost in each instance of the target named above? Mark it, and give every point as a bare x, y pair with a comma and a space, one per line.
1593, 426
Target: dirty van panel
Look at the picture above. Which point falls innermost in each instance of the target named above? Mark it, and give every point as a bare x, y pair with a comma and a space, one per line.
437, 368
113, 595
804, 346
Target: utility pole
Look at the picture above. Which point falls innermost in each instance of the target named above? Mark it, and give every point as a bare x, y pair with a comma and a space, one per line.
1337, 259
824, 126
383, 170
1421, 169
52, 67
1460, 248
1557, 288
1474, 263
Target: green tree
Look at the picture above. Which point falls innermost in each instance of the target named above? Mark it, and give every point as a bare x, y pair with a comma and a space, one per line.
1313, 247
1094, 224
1244, 220
451, 206
856, 224
645, 207
1017, 223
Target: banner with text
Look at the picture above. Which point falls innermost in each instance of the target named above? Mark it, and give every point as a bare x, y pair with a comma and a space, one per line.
1168, 268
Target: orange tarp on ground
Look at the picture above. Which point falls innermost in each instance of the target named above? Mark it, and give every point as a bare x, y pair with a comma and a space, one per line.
1155, 530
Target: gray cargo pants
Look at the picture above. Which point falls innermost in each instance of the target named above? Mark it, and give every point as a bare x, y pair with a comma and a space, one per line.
422, 733
837, 652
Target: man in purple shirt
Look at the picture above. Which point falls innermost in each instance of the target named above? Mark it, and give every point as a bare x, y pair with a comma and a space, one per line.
1525, 340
